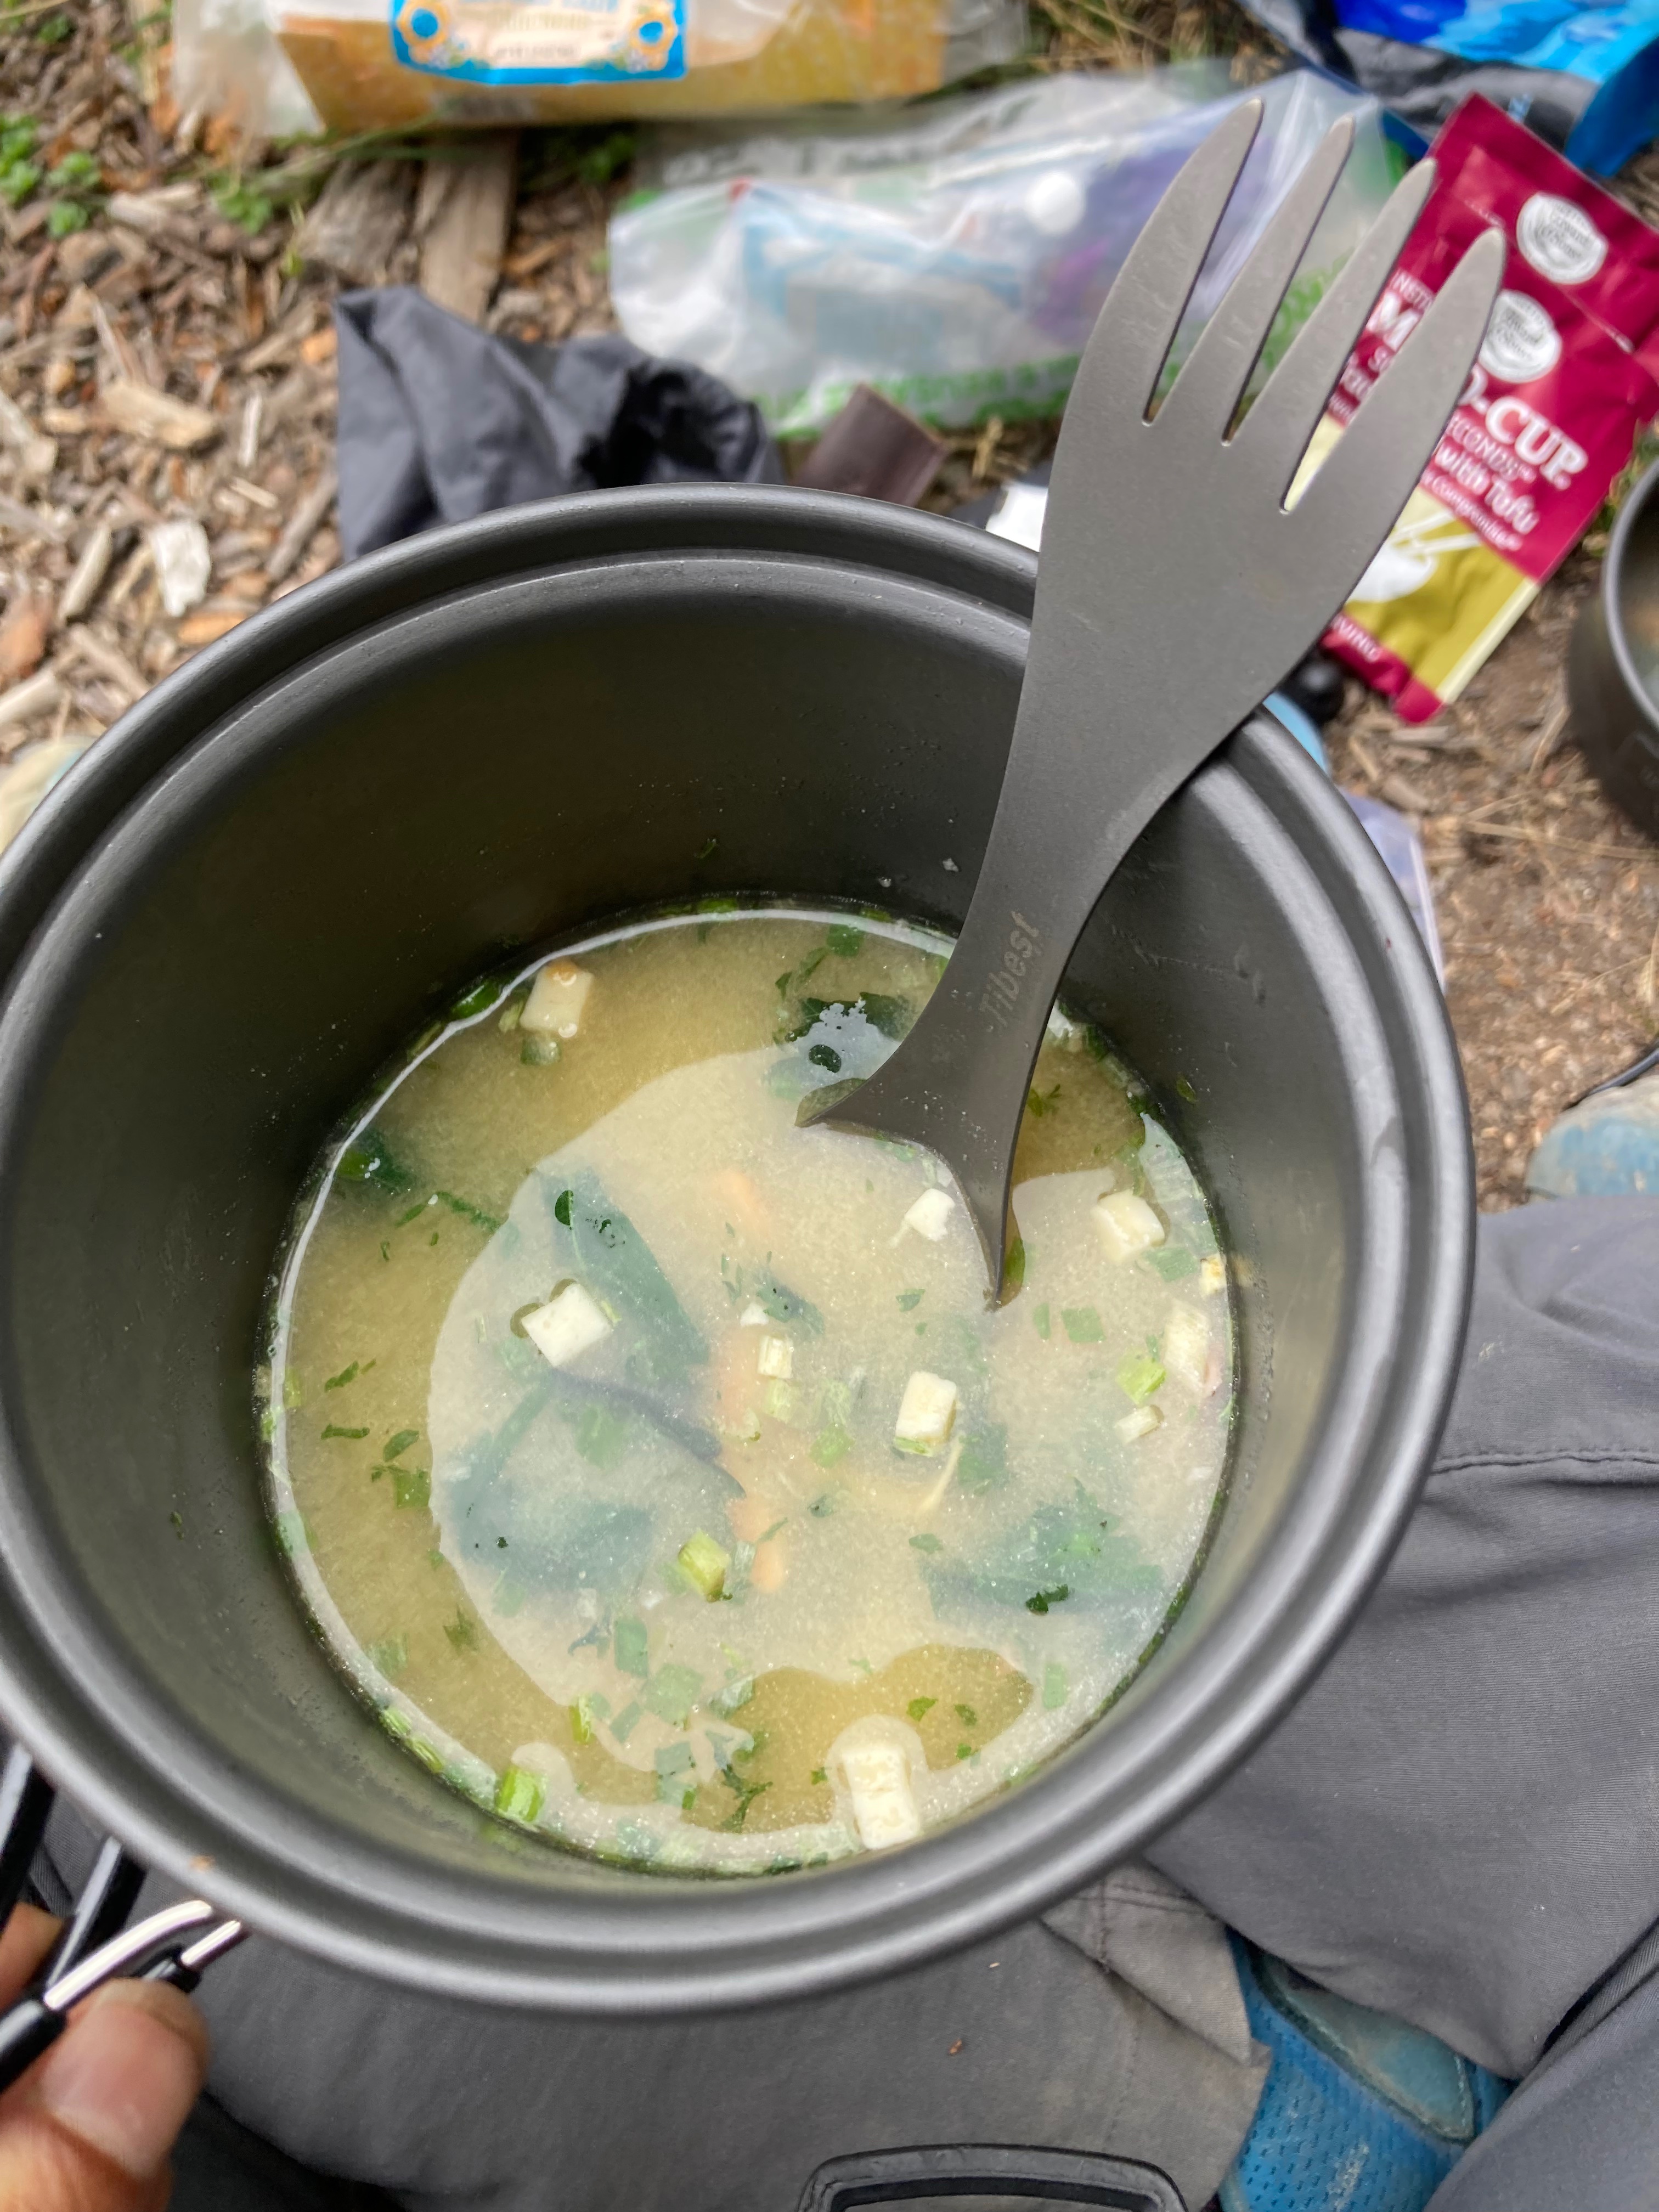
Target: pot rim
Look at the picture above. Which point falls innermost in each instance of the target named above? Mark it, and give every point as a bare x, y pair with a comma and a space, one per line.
1610, 593
820, 1929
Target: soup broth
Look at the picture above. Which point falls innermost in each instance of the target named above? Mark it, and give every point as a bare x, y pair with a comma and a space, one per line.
655, 1467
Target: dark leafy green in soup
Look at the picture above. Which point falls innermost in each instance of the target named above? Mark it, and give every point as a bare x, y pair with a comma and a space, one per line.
653, 1465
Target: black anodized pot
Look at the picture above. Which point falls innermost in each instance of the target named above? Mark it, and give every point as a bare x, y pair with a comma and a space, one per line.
294, 850
1613, 662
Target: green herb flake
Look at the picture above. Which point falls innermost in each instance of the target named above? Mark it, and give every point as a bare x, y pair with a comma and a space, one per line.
1040, 1322
1140, 1376
291, 1535
919, 1708
582, 1716
462, 1632
346, 1375
925, 1543
629, 1646
538, 1051
843, 941
1013, 1268
178, 1521
411, 1486
369, 1159
627, 1721
673, 1691
964, 1750
467, 1211
1039, 1102
1054, 1691
734, 1696
706, 850
352, 1436
1039, 1601
967, 1716
562, 1208
520, 1795
909, 1300
818, 1774
829, 1447
601, 1435
1082, 1324
395, 1446
475, 1000
1173, 1261
390, 1656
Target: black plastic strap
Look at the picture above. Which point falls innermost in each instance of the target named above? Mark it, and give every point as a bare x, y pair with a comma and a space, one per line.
1063, 2177
110, 1893
27, 2029
25, 1799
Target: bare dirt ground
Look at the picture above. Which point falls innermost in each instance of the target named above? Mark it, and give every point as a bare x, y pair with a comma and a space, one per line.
166, 354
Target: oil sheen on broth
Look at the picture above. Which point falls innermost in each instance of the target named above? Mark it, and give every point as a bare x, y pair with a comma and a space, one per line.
653, 1466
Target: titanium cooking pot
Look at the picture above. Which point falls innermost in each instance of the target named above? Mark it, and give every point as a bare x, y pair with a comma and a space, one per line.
288, 856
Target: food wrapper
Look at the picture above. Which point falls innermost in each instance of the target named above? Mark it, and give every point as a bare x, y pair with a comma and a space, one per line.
1564, 381
399, 63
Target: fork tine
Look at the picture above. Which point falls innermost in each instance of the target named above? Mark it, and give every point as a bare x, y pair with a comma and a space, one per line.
1361, 486
1282, 420
1214, 375
1136, 327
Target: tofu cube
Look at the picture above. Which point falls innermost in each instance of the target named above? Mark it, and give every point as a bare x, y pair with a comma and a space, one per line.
557, 998
1212, 1275
777, 1357
1141, 1423
930, 1217
754, 1315
1127, 1225
571, 1323
883, 1803
1187, 1349
925, 1412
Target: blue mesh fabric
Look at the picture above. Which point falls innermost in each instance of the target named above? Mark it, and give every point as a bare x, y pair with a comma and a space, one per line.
1324, 2139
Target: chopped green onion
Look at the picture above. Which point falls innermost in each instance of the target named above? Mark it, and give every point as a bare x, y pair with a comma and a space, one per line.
706, 1564
1140, 1375
520, 1795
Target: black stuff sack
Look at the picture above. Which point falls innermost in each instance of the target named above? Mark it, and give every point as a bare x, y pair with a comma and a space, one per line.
439, 420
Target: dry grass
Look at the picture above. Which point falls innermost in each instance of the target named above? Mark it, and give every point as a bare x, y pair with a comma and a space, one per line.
1136, 33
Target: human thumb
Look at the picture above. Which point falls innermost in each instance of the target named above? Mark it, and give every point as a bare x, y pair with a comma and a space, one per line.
90, 2127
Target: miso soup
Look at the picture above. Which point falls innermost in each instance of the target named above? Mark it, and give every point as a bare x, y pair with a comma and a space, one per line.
655, 1467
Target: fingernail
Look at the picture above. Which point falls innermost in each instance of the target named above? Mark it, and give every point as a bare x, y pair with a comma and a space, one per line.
126, 2074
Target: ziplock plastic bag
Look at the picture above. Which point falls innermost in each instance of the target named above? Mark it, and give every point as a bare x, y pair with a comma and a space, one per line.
1584, 77
375, 63
956, 259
